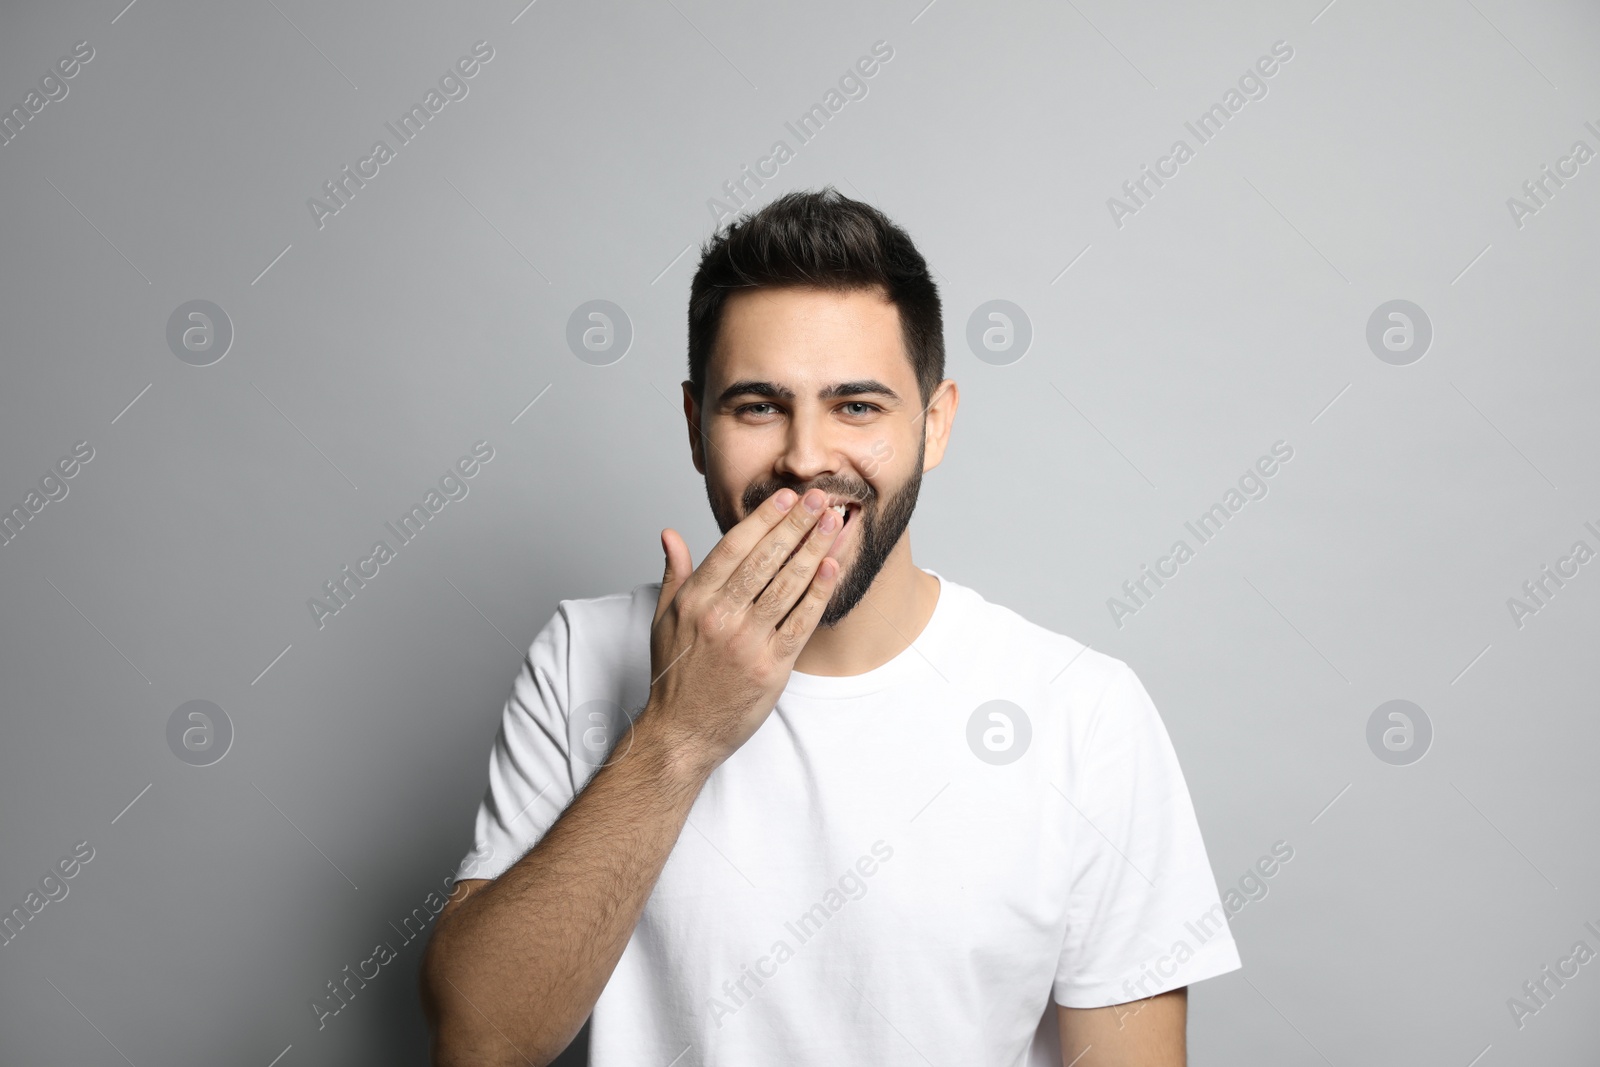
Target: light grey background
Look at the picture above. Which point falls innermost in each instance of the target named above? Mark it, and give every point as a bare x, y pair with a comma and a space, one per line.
1229, 313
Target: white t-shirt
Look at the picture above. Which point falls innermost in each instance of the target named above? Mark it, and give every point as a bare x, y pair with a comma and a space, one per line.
867, 879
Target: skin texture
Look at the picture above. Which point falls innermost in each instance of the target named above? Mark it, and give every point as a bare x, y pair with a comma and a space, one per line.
1144, 1033
809, 395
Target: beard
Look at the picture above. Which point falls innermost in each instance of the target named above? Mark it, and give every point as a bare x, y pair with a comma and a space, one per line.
881, 522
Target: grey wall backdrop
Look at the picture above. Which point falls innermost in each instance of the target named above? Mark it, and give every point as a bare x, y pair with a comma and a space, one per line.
1158, 340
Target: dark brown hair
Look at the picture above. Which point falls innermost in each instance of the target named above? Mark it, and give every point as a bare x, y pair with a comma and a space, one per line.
826, 240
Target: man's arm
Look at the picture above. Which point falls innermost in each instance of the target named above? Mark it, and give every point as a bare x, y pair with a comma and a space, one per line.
514, 968
1144, 1033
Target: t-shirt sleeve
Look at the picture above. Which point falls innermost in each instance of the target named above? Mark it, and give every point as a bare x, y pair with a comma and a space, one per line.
530, 774
1143, 911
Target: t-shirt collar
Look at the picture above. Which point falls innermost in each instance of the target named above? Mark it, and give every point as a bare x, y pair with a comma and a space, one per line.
911, 662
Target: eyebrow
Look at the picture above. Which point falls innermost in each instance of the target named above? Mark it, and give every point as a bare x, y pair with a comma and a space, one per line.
837, 391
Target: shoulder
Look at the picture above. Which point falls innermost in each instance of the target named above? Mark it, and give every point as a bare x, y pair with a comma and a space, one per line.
589, 648
590, 639
602, 618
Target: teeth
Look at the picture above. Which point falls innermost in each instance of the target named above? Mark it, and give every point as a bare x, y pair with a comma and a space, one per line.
841, 509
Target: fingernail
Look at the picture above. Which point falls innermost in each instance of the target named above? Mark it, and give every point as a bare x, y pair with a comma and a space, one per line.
814, 499
783, 499
829, 521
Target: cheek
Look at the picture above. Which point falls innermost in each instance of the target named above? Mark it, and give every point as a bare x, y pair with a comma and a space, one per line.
727, 480
878, 459
729, 476
888, 462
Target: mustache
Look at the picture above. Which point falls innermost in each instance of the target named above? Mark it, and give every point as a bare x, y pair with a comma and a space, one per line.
860, 492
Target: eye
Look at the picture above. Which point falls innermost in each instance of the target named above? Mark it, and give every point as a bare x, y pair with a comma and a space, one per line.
859, 408
759, 409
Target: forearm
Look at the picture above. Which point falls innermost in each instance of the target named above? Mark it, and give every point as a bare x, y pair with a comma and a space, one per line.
513, 973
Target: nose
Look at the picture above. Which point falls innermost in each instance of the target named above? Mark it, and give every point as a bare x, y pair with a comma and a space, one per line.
808, 453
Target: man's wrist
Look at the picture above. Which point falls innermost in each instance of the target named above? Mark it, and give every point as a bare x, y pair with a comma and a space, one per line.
679, 755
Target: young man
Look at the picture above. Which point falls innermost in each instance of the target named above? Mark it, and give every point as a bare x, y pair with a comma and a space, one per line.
853, 813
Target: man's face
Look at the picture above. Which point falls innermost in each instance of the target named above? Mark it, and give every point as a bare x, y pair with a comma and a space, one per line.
810, 388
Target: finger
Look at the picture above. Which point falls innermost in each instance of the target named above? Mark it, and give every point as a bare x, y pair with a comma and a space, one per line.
791, 581
764, 559
679, 565
792, 635
737, 543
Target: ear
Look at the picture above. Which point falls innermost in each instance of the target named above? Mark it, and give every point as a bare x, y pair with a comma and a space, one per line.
691, 412
936, 421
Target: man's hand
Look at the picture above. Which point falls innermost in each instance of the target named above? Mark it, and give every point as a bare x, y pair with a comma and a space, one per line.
725, 637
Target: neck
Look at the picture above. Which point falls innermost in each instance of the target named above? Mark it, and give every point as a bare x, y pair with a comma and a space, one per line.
890, 617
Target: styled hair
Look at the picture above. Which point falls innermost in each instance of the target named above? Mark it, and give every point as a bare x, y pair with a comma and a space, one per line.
825, 240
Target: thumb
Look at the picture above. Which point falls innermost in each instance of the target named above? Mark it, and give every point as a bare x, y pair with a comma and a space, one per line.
679, 566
